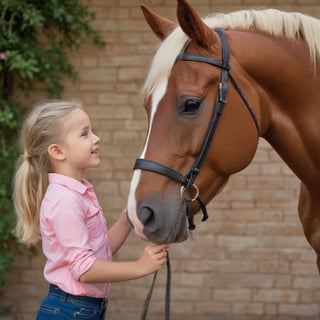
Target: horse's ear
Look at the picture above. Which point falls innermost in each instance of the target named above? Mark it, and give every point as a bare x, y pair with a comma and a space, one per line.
160, 26
193, 26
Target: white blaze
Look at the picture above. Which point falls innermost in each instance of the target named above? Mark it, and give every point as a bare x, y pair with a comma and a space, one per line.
132, 203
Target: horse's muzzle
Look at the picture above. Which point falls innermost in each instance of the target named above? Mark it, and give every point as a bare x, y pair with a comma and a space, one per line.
165, 225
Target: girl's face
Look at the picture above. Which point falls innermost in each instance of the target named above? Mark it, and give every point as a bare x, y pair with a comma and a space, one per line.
80, 144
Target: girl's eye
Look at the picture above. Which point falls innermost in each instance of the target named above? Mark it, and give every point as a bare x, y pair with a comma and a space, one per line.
84, 133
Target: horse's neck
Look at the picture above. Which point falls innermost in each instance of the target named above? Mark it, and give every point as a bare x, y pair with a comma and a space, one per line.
289, 92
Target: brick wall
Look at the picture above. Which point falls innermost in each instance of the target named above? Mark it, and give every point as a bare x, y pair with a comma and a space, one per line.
250, 260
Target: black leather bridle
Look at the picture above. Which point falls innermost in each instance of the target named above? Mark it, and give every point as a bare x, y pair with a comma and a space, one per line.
187, 180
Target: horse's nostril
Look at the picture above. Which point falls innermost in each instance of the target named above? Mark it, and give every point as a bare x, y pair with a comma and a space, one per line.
146, 215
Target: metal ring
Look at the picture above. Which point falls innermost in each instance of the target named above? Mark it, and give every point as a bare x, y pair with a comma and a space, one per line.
182, 193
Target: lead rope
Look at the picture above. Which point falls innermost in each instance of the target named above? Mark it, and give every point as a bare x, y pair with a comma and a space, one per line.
167, 297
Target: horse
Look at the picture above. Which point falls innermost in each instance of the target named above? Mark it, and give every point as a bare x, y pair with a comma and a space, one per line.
216, 85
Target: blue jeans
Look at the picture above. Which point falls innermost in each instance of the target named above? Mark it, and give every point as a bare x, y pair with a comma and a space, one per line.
59, 305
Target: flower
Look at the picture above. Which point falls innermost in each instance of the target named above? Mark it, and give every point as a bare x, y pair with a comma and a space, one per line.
3, 56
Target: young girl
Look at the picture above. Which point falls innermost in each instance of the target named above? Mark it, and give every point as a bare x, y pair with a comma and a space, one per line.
56, 204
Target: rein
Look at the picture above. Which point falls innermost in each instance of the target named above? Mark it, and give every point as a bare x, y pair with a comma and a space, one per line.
167, 297
187, 180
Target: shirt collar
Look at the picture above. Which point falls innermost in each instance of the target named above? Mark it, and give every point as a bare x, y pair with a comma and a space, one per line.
74, 184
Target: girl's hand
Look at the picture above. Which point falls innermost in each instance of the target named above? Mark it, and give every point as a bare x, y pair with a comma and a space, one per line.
152, 258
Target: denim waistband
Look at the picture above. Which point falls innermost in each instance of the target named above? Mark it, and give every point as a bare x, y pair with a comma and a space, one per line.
67, 297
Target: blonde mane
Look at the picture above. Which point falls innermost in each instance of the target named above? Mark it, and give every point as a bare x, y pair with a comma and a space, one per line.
271, 21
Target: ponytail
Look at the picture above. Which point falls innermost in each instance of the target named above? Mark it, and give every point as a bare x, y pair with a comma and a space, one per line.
29, 187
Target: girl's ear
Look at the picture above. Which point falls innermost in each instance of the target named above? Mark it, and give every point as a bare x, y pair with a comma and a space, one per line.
56, 152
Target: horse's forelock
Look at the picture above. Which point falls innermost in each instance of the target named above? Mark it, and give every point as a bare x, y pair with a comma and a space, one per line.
164, 60
271, 21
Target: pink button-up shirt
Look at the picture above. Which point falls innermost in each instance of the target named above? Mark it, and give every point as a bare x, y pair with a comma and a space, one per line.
74, 235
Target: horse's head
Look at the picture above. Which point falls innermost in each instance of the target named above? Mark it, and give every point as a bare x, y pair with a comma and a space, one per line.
186, 91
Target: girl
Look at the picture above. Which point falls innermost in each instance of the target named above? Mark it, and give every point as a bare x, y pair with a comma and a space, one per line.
55, 203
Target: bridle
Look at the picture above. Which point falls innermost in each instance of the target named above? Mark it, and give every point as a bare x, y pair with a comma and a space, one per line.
187, 180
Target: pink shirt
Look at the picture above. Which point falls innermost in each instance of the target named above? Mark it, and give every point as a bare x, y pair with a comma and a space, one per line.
74, 235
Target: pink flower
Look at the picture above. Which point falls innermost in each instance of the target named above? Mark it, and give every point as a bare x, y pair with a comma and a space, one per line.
3, 56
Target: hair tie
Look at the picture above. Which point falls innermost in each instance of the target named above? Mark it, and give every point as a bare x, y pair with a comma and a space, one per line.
26, 157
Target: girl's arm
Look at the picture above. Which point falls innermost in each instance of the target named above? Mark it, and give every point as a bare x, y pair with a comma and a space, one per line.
152, 259
119, 232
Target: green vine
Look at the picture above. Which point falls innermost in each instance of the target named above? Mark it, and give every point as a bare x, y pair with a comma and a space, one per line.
35, 40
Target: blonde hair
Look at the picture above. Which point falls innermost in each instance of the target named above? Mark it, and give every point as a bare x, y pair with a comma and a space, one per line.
42, 127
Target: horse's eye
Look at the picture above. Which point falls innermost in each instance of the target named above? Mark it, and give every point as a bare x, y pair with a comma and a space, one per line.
191, 105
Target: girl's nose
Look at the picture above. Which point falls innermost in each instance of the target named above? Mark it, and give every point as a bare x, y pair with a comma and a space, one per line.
96, 138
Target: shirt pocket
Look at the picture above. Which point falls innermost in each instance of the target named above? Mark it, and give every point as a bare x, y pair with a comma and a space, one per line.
96, 226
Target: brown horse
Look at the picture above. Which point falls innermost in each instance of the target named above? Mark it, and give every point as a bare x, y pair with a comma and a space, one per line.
214, 87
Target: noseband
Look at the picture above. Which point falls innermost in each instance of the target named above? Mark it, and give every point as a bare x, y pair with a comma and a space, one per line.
187, 181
